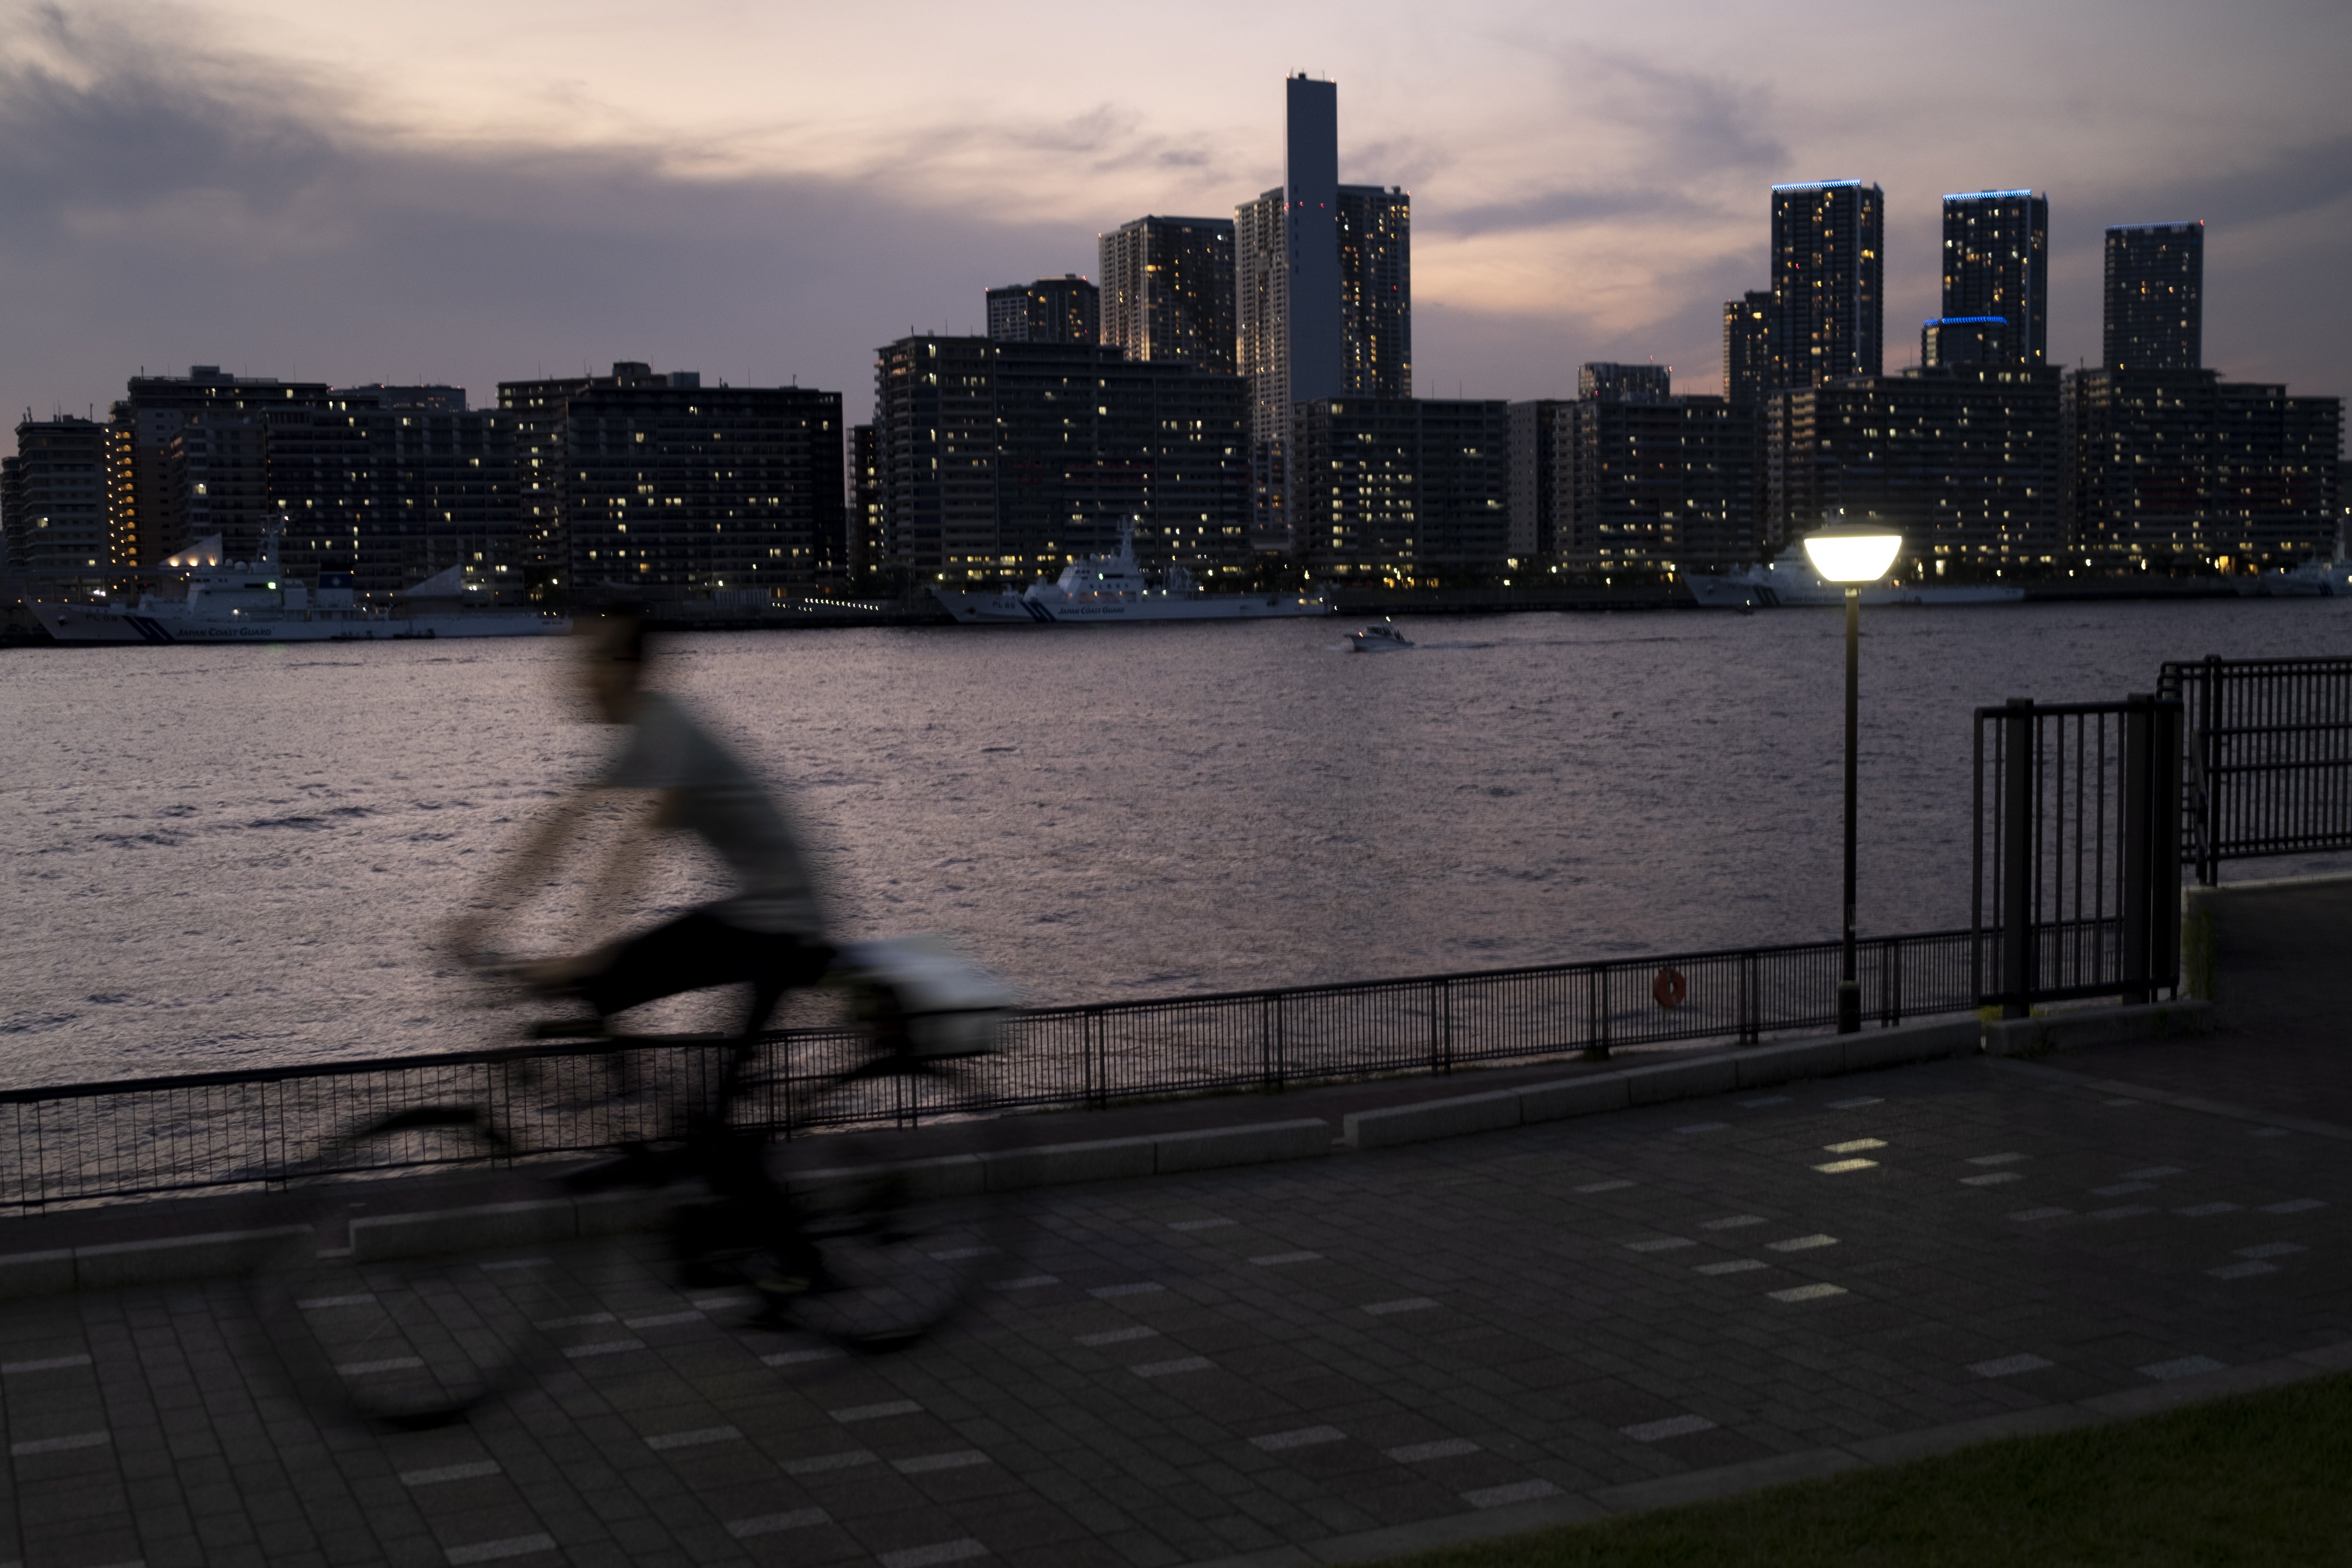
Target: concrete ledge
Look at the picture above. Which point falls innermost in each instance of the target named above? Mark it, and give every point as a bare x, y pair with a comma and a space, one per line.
380, 1237
1681, 1081
1432, 1119
1057, 1163
1308, 1138
1908, 1043
2102, 1027
1901, 1448
1763, 1065
1573, 1097
25, 1274
178, 1257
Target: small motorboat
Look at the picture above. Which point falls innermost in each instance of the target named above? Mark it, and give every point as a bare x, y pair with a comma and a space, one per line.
1381, 638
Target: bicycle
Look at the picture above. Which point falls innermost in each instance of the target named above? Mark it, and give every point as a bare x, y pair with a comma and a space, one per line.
852, 1235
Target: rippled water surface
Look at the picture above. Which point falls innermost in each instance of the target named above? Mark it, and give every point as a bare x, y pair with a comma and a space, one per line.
217, 856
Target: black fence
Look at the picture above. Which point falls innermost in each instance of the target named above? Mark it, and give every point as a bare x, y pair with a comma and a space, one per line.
2266, 755
216, 1131
2076, 866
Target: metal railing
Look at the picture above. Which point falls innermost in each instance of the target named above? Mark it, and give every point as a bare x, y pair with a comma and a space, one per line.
2076, 861
2267, 757
213, 1132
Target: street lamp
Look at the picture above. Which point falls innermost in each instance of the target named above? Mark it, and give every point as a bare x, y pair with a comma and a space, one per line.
1850, 554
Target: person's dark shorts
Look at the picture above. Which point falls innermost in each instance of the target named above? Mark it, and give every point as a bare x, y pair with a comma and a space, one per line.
697, 950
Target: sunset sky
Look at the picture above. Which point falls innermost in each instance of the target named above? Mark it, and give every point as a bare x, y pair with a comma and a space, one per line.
467, 192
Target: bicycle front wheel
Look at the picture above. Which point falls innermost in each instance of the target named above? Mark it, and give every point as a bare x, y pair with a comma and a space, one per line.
407, 1325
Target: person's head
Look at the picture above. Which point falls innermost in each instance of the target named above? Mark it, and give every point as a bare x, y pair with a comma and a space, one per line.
613, 649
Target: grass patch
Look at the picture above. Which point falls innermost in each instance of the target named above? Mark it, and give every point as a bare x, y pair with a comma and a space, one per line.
2263, 1479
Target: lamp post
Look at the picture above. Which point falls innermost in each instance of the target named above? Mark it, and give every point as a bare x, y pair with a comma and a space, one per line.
1850, 554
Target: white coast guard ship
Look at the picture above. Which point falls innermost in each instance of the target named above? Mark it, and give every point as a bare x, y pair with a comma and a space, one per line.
255, 602
1111, 588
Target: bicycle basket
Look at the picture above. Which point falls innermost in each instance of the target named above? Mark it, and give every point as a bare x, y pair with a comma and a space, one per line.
928, 1001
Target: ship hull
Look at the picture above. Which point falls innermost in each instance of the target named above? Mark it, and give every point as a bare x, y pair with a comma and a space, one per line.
1016, 609
79, 624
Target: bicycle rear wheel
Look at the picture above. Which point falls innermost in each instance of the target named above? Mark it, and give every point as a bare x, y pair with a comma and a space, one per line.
886, 1235
394, 1323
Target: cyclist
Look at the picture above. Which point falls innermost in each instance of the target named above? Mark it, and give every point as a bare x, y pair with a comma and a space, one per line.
769, 934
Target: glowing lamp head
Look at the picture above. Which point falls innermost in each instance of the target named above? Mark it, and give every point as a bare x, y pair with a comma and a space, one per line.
1852, 551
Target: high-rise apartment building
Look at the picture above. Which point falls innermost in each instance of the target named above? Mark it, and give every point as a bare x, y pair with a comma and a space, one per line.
1003, 461
1966, 461
1534, 500
2155, 317
2182, 466
1748, 367
1997, 263
1828, 302
1323, 285
143, 516
1168, 290
1966, 339
1647, 478
863, 492
1064, 310
1404, 490
1624, 382
52, 499
660, 488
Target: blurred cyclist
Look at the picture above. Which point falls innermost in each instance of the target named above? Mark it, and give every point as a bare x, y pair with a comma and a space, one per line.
768, 933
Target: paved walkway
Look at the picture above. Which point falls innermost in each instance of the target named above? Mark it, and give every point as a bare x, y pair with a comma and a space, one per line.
1184, 1369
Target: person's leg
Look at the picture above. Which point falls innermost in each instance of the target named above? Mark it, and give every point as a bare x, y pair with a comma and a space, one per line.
691, 953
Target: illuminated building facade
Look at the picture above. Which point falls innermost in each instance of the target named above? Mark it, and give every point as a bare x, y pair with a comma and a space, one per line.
1001, 462
1748, 367
1967, 461
53, 500
863, 494
1168, 290
1828, 300
2155, 307
646, 486
1323, 284
1064, 310
2182, 466
1646, 478
1997, 264
1403, 488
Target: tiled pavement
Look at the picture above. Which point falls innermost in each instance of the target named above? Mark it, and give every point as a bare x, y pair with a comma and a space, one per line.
1181, 1369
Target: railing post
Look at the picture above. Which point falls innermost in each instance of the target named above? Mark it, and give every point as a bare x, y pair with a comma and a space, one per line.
2139, 918
1749, 1033
2209, 760
1596, 1013
1890, 981
2164, 893
2018, 954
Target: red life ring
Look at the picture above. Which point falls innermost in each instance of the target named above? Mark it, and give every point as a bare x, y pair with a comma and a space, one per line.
1669, 987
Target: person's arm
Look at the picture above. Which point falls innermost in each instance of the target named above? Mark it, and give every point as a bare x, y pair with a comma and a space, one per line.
528, 863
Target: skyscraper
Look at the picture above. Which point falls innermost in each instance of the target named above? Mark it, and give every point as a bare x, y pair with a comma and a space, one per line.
1168, 290
2155, 317
1323, 288
1064, 310
1997, 263
1747, 373
1375, 235
1828, 248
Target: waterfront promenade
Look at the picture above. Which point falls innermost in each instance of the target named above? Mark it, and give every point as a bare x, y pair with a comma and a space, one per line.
1332, 1358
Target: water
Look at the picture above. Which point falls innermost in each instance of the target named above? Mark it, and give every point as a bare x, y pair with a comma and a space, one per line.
223, 856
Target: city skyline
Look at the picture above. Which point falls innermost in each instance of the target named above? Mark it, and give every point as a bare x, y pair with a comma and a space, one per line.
226, 183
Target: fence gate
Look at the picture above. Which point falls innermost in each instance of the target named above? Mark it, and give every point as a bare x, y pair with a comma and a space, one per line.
2077, 856
2267, 756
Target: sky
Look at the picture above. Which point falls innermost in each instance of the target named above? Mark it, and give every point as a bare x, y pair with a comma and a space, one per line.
765, 192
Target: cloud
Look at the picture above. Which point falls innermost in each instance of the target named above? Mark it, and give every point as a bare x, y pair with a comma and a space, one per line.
168, 208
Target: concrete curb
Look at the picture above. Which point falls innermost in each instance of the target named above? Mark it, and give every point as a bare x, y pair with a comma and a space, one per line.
1594, 1093
1781, 1470
158, 1262
2099, 1026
